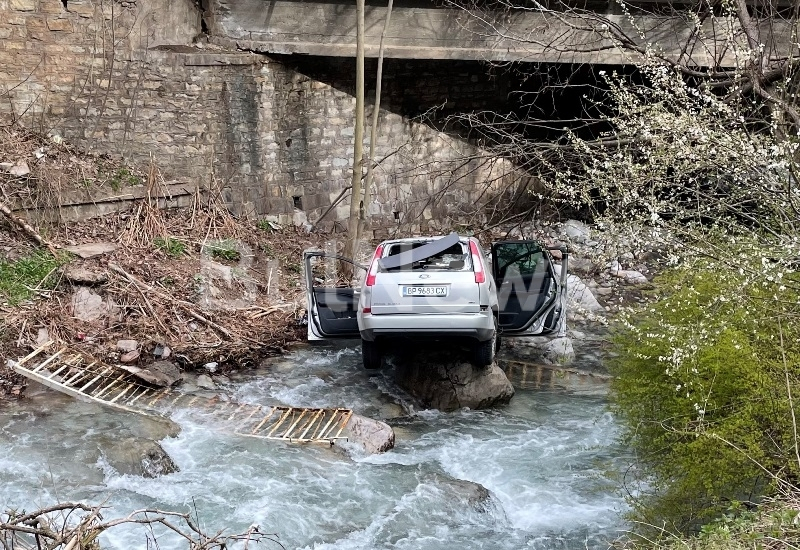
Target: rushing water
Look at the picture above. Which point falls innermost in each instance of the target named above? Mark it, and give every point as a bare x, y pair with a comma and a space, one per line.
547, 460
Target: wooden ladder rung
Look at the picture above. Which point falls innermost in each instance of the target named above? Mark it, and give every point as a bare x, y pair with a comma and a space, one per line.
311, 423
280, 421
264, 420
48, 360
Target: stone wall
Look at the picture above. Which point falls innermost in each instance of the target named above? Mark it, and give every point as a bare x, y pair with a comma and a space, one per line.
274, 134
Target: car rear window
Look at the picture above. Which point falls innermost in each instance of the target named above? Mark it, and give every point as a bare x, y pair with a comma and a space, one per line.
454, 258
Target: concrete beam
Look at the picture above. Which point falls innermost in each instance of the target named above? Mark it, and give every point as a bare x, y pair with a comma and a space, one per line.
328, 29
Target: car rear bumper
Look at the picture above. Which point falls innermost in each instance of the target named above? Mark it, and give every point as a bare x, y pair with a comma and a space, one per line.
470, 325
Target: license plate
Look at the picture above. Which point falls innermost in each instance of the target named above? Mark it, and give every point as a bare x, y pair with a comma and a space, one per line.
425, 290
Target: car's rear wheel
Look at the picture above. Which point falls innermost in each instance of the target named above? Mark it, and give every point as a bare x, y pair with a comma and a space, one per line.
484, 352
371, 355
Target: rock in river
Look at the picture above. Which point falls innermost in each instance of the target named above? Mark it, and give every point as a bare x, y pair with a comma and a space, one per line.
375, 436
139, 456
160, 373
448, 382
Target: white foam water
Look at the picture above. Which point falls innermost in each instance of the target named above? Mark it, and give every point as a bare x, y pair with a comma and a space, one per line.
544, 461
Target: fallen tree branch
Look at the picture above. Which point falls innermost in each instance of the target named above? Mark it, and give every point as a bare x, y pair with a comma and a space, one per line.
27, 228
187, 306
61, 527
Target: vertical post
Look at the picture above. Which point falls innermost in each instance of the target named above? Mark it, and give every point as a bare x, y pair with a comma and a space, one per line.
353, 225
376, 107
562, 323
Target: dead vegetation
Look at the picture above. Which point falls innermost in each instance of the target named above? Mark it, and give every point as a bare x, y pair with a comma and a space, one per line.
76, 526
197, 281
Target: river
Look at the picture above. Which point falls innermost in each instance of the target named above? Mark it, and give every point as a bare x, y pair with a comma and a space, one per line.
548, 460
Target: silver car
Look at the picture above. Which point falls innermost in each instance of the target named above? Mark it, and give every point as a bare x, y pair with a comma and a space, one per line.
436, 288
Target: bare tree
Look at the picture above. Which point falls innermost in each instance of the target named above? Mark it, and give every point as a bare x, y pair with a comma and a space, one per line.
77, 526
354, 225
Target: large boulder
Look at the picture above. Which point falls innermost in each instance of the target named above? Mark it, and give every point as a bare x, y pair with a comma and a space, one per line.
138, 456
447, 382
468, 493
373, 435
543, 349
580, 299
163, 374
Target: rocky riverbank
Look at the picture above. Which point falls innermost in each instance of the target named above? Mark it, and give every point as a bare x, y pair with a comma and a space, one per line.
194, 287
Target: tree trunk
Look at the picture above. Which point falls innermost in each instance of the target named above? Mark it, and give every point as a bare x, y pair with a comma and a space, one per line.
376, 108
353, 226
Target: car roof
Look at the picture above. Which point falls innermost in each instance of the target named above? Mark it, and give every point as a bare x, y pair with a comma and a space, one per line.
418, 239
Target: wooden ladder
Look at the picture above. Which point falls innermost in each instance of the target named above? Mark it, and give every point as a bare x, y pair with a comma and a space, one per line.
88, 379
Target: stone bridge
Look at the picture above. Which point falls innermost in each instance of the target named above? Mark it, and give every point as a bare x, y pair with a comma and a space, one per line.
420, 30
254, 98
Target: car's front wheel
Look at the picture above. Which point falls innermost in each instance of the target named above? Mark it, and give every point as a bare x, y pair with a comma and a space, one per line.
371, 355
484, 352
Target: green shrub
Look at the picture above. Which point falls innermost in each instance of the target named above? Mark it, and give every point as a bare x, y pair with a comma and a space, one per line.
224, 250
19, 279
774, 524
171, 247
701, 389
264, 225
121, 178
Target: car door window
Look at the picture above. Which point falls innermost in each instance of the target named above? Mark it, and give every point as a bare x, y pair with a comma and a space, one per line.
526, 284
332, 285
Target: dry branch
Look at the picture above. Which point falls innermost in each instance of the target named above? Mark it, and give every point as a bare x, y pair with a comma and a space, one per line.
187, 306
26, 227
76, 526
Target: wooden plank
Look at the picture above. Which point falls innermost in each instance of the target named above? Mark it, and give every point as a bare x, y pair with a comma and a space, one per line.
75, 377
242, 423
100, 393
313, 421
158, 397
234, 413
264, 420
48, 360
288, 433
280, 421
93, 380
52, 384
342, 423
122, 393
145, 391
327, 426
36, 352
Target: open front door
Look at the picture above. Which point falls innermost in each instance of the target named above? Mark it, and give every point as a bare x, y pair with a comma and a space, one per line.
333, 287
529, 290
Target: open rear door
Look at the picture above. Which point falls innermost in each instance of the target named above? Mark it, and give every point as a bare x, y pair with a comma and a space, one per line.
530, 293
333, 287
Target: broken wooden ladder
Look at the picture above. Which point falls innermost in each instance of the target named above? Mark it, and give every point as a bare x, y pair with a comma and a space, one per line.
87, 379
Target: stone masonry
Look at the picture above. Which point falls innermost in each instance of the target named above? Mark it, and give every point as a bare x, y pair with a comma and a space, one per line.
274, 134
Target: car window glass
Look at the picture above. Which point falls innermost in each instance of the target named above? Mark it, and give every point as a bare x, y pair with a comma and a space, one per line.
453, 258
519, 259
332, 272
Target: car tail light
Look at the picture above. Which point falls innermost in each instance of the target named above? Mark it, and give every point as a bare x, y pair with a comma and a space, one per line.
373, 267
477, 263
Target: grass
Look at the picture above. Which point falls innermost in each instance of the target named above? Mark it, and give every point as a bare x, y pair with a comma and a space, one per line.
264, 225
123, 177
171, 247
774, 524
20, 279
224, 250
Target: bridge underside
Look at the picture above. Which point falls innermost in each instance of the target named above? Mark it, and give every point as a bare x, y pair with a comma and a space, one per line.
328, 29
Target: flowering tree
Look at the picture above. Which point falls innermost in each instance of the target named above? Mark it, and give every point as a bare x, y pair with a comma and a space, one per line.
700, 161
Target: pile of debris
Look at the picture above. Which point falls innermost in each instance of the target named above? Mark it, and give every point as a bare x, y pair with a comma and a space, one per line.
191, 286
